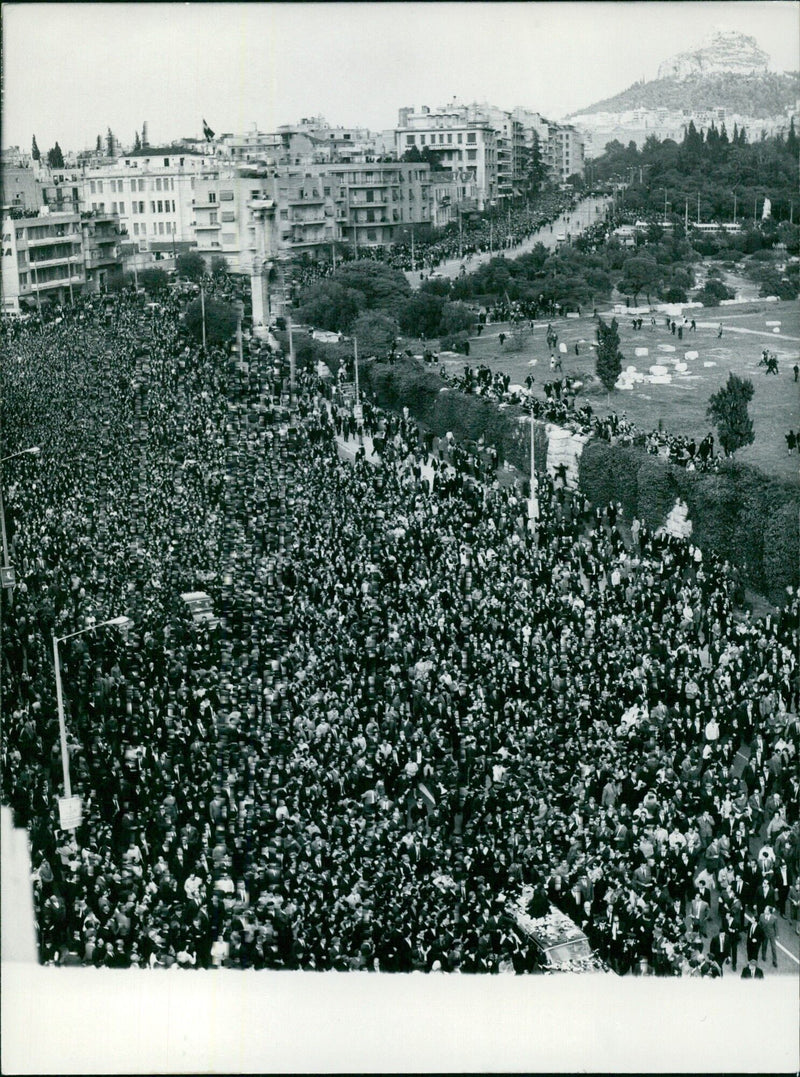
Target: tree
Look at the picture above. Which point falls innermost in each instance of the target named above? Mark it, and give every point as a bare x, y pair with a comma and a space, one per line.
35, 151
382, 287
55, 158
420, 314
712, 292
219, 265
456, 318
137, 142
110, 142
154, 280
220, 320
331, 305
640, 274
98, 146
609, 357
190, 265
727, 410
376, 334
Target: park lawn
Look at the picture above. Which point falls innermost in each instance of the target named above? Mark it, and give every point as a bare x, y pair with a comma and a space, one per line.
680, 406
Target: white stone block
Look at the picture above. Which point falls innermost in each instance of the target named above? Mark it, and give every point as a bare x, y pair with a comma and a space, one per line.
641, 351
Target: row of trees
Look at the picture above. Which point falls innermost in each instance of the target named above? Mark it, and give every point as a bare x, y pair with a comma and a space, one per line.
729, 174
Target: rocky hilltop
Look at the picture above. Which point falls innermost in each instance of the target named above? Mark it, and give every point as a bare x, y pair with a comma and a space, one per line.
726, 80
725, 52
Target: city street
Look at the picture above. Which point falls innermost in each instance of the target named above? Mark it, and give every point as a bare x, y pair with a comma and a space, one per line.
585, 213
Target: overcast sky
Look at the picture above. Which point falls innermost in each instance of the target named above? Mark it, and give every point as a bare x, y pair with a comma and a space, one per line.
72, 70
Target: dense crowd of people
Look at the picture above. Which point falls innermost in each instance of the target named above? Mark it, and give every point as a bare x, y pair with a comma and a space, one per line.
408, 703
560, 405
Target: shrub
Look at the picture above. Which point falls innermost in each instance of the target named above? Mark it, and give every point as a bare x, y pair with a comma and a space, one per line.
781, 537
455, 343
455, 318
657, 491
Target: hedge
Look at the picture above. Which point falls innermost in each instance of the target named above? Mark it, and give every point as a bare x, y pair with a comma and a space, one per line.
737, 512
740, 514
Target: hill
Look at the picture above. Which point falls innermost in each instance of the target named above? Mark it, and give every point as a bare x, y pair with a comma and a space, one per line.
761, 96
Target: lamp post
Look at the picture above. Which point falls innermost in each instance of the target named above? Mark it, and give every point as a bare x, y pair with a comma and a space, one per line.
119, 622
7, 571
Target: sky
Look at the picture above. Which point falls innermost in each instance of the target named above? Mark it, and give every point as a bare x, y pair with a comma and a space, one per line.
72, 70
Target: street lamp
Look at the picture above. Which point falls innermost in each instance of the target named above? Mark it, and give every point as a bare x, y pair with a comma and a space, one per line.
118, 622
7, 572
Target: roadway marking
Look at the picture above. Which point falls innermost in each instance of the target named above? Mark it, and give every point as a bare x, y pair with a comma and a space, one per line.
787, 952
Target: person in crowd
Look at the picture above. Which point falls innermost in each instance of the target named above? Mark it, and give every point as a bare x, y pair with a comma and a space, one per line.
405, 705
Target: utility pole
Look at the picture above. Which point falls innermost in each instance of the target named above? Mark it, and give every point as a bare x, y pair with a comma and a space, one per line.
698, 207
755, 209
291, 356
355, 365
686, 217
203, 313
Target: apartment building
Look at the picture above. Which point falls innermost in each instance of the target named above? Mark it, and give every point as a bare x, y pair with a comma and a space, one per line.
226, 219
18, 187
42, 258
461, 137
452, 194
57, 255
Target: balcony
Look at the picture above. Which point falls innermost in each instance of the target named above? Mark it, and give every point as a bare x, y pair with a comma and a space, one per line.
300, 200
35, 240
60, 282
98, 258
46, 263
209, 227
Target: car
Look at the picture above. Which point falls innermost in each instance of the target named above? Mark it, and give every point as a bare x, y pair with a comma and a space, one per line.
200, 607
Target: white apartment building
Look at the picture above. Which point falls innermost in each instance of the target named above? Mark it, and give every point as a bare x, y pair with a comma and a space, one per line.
460, 136
151, 190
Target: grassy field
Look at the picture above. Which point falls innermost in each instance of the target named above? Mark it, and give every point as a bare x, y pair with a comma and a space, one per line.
681, 405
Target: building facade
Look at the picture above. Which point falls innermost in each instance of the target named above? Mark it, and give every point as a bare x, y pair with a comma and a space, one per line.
461, 137
42, 259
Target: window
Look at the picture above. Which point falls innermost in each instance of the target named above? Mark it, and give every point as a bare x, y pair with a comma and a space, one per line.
422, 140
173, 205
136, 228
212, 217
229, 238
135, 207
326, 190
152, 207
472, 155
227, 216
371, 215
226, 196
212, 196
160, 206
141, 207
161, 228
133, 184
94, 207
158, 184
93, 187
141, 184
100, 186
166, 162
371, 233
441, 138
471, 137
23, 280
370, 196
122, 207
460, 139
449, 138
284, 214
410, 140
113, 207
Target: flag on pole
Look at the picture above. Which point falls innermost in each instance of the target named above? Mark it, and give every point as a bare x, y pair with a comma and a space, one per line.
207, 132
767, 210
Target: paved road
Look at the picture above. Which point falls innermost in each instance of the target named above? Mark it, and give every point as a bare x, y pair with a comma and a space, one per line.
585, 213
